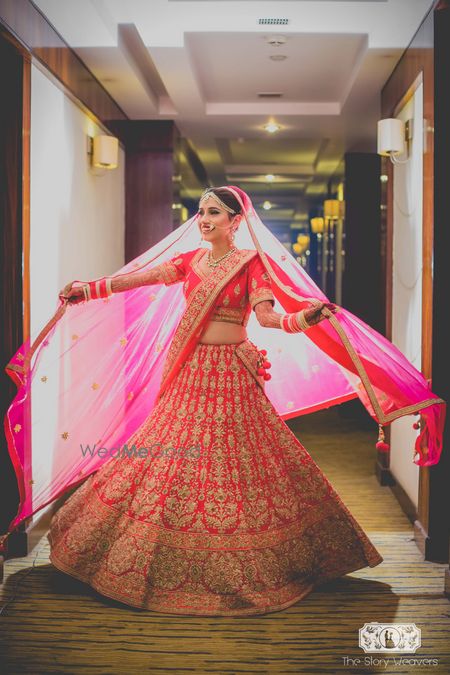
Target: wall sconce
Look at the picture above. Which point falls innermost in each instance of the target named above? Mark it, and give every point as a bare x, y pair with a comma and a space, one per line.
302, 242
332, 209
104, 151
393, 135
317, 225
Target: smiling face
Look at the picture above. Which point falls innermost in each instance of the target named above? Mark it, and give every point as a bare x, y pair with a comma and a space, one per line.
212, 214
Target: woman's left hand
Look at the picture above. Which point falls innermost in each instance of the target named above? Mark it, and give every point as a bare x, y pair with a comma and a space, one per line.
313, 315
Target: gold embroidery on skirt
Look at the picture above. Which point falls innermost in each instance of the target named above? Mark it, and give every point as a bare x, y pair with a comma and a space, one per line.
247, 526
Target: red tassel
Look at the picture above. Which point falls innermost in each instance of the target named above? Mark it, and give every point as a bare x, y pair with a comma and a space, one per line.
381, 445
263, 352
267, 376
261, 371
416, 425
267, 364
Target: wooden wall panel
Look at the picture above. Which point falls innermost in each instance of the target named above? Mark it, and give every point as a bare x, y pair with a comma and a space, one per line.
150, 150
39, 38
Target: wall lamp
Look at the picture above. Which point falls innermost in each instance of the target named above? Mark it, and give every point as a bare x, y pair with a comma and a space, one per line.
333, 209
103, 151
394, 138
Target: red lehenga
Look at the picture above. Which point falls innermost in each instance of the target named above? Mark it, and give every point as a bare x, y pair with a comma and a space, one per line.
218, 509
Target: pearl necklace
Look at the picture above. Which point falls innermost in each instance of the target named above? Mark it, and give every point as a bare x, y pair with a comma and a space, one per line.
213, 263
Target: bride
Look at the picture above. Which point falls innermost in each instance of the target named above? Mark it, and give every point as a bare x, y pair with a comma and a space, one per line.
248, 524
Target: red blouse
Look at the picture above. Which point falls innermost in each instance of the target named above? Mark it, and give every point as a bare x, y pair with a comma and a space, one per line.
236, 301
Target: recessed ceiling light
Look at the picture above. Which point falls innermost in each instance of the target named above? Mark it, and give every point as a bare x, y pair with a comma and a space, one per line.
272, 127
278, 57
267, 205
276, 40
269, 177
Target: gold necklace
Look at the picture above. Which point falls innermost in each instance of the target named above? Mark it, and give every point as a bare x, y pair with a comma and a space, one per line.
213, 263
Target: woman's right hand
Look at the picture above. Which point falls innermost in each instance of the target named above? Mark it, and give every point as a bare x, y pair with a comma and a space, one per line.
72, 295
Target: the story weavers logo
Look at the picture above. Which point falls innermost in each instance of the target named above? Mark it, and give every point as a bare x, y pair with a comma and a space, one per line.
377, 637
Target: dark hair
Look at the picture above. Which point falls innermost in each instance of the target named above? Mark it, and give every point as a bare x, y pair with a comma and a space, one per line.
229, 199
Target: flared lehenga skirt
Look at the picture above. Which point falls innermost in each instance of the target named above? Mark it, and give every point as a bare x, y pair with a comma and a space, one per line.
219, 511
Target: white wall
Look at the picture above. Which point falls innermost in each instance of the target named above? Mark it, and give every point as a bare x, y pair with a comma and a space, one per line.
407, 286
77, 219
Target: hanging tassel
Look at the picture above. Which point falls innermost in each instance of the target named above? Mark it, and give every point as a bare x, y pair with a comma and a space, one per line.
381, 445
263, 365
419, 453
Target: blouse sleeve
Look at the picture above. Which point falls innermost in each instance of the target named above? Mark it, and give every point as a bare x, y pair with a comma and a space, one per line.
174, 270
259, 286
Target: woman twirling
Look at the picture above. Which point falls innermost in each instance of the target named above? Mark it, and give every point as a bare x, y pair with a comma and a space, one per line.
228, 514
211, 505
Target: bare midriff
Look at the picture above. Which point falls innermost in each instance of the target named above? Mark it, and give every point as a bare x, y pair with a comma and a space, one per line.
222, 332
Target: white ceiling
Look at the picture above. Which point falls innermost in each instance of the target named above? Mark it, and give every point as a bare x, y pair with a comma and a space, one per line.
204, 63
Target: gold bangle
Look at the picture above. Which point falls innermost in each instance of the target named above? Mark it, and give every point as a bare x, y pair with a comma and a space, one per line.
109, 291
292, 323
301, 320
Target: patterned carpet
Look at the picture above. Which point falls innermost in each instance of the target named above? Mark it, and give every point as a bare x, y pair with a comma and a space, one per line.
54, 624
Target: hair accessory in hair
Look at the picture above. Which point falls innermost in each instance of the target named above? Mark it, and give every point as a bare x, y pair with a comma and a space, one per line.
208, 193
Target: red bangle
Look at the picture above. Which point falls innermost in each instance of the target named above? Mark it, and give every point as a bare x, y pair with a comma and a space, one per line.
292, 323
102, 287
99, 289
284, 324
93, 290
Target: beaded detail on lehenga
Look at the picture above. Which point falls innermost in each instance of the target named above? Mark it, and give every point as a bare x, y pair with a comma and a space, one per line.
226, 515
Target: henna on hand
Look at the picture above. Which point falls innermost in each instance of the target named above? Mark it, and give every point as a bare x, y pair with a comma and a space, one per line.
313, 315
72, 295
